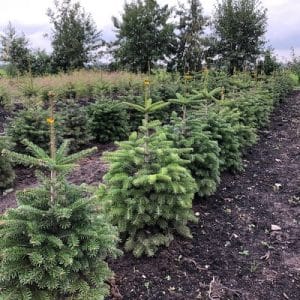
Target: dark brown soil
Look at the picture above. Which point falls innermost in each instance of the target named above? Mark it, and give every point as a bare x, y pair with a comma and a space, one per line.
234, 253
90, 171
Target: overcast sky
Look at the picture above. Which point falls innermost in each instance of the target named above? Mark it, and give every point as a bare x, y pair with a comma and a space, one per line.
29, 16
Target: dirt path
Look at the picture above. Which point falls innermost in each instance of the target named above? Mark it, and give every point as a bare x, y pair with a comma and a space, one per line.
234, 253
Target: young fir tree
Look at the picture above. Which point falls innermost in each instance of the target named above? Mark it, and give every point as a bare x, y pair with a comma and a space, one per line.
187, 131
223, 126
231, 135
7, 174
149, 191
54, 245
74, 120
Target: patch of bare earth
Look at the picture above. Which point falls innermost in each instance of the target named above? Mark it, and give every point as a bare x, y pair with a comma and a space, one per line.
90, 170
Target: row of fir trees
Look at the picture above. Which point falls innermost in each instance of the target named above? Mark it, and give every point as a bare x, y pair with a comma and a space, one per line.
56, 243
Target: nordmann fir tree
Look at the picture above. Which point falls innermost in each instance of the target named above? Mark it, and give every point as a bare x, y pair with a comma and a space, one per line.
186, 131
149, 191
54, 245
224, 127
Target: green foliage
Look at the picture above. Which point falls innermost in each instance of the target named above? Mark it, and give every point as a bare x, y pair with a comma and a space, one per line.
190, 46
15, 51
149, 191
254, 106
144, 35
294, 64
204, 159
7, 174
294, 78
28, 88
269, 64
74, 121
54, 245
282, 86
40, 63
75, 39
30, 124
108, 121
232, 137
5, 98
239, 27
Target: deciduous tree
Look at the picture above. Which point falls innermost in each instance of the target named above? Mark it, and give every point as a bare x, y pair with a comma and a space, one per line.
75, 39
190, 46
15, 50
145, 35
239, 26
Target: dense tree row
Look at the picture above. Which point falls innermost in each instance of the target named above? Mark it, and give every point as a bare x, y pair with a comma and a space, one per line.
147, 35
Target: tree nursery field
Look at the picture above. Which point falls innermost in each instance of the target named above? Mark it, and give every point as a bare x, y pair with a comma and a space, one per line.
203, 187
160, 163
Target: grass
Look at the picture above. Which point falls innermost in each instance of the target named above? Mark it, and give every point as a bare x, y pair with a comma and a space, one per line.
80, 80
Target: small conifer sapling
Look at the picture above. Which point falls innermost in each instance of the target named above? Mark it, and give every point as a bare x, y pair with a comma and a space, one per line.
54, 244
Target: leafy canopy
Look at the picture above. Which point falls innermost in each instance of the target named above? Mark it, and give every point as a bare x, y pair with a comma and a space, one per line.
144, 35
75, 38
239, 27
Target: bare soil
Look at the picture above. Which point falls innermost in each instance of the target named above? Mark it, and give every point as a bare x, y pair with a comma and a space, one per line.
234, 254
90, 170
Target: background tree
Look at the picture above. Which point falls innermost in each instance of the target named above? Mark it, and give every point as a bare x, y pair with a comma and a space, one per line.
268, 64
144, 35
75, 38
190, 49
40, 62
294, 64
239, 26
15, 51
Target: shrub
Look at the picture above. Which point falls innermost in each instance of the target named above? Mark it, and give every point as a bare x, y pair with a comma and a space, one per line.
100, 89
29, 89
149, 191
75, 124
205, 161
108, 121
204, 158
282, 86
5, 99
54, 245
187, 132
254, 106
7, 174
232, 137
294, 78
29, 124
